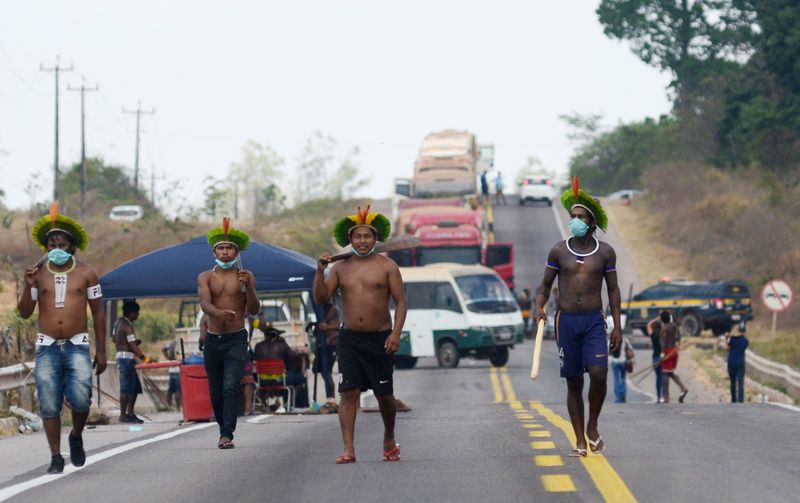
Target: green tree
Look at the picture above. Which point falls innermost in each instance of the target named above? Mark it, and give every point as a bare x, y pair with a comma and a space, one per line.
692, 39
260, 167
321, 173
111, 183
346, 180
215, 196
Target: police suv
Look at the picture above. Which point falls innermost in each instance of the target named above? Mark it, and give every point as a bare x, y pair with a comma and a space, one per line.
713, 305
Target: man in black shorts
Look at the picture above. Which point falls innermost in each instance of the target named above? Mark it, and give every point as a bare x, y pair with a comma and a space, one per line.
367, 340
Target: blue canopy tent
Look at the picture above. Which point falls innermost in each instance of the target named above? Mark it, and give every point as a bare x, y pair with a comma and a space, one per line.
173, 271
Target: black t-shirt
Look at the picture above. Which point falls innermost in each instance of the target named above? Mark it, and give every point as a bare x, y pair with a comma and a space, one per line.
655, 339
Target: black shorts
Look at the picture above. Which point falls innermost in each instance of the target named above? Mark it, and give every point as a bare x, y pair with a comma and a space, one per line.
363, 362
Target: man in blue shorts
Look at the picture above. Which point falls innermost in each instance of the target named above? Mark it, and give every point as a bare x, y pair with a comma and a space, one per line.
63, 287
581, 263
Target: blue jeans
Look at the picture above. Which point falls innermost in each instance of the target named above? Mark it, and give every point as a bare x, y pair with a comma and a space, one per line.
736, 374
129, 383
224, 356
659, 378
63, 370
620, 388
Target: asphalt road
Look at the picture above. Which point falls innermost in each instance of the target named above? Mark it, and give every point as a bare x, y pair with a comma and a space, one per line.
474, 433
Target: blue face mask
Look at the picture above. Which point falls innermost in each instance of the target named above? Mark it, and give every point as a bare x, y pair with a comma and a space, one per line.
578, 227
59, 256
225, 265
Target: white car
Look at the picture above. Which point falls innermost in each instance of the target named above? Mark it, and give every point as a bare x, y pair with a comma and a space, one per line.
536, 188
127, 213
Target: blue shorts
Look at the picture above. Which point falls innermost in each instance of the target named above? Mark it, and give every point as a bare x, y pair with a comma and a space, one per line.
174, 382
582, 342
128, 378
63, 370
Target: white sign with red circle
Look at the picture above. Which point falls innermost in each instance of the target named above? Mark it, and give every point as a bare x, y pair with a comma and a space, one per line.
777, 295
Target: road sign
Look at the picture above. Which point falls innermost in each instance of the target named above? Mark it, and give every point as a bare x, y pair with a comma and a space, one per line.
777, 295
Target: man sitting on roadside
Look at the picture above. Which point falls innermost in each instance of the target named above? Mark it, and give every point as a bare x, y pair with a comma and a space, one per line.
274, 347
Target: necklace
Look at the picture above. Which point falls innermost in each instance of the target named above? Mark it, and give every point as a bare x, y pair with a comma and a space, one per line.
71, 268
580, 256
60, 282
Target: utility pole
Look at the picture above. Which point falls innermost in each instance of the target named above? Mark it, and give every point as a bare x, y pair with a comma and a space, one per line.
138, 113
153, 185
56, 70
83, 90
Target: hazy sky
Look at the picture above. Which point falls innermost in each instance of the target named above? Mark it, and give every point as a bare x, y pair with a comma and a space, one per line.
374, 74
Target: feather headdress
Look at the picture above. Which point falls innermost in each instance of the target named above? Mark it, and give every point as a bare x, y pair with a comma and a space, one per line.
53, 222
375, 221
575, 196
228, 235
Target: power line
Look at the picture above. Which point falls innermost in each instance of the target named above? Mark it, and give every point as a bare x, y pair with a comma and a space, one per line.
138, 113
56, 70
83, 89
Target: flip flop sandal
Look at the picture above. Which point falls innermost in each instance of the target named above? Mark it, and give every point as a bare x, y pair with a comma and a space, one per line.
683, 396
593, 445
392, 455
225, 443
345, 459
577, 453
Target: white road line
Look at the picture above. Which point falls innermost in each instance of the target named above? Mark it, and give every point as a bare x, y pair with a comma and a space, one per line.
259, 419
10, 491
785, 406
555, 206
637, 389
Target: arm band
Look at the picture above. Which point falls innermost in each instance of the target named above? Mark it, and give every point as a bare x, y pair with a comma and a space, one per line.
94, 292
130, 337
611, 268
34, 293
553, 265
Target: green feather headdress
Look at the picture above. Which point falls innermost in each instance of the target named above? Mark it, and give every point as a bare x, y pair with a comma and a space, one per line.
375, 221
54, 222
227, 234
577, 197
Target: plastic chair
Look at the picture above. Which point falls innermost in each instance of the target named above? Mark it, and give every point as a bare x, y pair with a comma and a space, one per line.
274, 368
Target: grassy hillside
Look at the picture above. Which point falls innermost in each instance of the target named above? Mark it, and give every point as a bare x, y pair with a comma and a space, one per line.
701, 223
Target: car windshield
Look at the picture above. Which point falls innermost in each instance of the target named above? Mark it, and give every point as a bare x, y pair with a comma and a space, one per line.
486, 293
457, 254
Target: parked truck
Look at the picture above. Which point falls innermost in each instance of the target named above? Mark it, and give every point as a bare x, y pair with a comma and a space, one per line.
446, 164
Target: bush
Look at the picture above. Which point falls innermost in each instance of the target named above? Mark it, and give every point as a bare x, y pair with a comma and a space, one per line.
155, 326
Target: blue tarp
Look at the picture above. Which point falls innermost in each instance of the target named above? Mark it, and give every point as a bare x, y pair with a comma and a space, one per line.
172, 271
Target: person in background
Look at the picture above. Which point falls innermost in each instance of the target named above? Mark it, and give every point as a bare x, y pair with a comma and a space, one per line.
619, 368
737, 344
525, 304
669, 357
484, 187
127, 350
174, 388
654, 331
330, 327
498, 189
274, 347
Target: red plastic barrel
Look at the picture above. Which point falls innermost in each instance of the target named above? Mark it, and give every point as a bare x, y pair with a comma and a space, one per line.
194, 394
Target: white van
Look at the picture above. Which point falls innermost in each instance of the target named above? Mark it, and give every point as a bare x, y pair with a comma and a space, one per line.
457, 310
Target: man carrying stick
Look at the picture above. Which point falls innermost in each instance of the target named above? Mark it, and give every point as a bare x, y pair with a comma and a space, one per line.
367, 339
225, 301
581, 263
63, 288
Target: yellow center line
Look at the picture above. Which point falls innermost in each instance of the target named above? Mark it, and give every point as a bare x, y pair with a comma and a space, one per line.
545, 444
498, 392
607, 480
548, 460
539, 434
558, 483
531, 425
510, 394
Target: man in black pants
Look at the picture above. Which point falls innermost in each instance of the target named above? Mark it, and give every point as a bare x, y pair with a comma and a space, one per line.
226, 292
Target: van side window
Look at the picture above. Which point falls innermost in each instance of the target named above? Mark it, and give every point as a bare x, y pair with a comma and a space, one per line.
421, 295
446, 298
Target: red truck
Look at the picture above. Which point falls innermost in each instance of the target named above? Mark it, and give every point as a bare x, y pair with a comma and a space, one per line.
449, 233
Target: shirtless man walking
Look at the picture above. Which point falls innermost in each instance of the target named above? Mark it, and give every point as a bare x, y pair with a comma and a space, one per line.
63, 288
581, 263
367, 339
226, 293
127, 351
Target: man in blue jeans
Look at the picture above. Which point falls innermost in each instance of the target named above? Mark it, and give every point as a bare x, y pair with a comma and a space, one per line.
737, 344
63, 287
226, 292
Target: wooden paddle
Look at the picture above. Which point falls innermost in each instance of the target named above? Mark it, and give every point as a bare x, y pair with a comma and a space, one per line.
395, 243
537, 349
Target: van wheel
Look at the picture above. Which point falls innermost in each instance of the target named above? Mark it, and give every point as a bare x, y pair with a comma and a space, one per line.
690, 324
549, 202
447, 354
500, 356
405, 362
